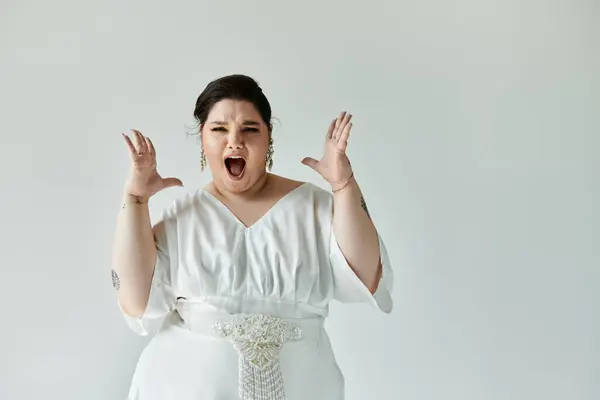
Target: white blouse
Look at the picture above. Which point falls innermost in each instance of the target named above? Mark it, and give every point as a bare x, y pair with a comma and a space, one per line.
288, 264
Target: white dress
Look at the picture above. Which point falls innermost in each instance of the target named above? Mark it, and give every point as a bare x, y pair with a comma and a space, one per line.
237, 312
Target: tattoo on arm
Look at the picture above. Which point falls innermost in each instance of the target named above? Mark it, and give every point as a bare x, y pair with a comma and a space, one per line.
115, 279
363, 204
137, 200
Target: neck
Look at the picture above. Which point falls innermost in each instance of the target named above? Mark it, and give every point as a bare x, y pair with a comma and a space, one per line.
253, 192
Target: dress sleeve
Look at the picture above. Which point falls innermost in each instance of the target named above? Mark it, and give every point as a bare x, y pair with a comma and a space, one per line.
348, 288
161, 300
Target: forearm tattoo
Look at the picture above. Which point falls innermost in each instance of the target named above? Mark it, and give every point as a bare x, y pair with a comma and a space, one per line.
363, 204
115, 279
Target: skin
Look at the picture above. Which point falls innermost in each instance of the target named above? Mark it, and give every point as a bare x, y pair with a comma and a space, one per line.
355, 233
235, 127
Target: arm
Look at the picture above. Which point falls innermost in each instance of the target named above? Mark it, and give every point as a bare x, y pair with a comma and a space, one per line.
356, 235
134, 248
133, 255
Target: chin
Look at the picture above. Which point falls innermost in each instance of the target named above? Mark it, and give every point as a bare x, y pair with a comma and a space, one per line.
237, 184
235, 187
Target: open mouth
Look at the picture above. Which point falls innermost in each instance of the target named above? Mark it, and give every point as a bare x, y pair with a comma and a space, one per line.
235, 167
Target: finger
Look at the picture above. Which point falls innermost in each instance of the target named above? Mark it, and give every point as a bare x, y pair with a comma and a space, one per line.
340, 118
140, 142
338, 121
136, 141
348, 118
343, 141
338, 124
330, 130
311, 162
151, 149
344, 123
130, 146
171, 182
145, 150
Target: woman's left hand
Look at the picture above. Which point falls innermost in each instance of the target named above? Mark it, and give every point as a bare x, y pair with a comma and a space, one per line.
335, 166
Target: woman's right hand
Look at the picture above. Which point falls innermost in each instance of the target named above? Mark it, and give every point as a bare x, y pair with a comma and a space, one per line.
144, 180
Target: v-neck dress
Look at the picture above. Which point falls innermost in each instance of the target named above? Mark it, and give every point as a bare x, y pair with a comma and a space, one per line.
217, 283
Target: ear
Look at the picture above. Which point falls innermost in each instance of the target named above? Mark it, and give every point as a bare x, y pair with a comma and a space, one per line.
200, 135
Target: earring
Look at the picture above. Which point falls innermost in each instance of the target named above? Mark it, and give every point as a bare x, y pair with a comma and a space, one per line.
270, 153
202, 160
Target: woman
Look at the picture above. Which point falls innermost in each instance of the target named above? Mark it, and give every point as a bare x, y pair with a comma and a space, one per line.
236, 278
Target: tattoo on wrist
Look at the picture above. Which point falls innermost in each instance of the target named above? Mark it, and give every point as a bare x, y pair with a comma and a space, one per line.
137, 200
115, 280
363, 204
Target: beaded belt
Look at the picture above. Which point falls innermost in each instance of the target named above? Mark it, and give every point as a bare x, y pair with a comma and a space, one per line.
258, 340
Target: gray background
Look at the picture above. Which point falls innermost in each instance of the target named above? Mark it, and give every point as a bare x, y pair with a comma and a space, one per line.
476, 144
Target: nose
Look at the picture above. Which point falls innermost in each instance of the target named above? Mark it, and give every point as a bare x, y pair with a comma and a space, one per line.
235, 139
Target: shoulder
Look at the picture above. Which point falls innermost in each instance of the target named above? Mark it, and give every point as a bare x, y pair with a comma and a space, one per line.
309, 190
181, 205
280, 185
319, 196
319, 192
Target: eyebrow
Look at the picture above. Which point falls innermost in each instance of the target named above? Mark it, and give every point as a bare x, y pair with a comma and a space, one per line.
248, 122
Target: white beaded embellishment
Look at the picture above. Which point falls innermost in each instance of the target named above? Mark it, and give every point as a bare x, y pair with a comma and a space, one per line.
258, 340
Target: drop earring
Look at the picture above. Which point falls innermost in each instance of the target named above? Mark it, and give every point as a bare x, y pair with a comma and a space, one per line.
202, 160
270, 153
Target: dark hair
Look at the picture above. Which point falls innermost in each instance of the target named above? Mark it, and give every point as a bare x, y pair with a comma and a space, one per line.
235, 87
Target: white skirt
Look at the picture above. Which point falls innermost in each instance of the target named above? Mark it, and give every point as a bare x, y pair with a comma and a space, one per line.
188, 359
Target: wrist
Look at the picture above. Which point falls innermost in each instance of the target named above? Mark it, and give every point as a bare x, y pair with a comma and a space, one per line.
129, 198
340, 186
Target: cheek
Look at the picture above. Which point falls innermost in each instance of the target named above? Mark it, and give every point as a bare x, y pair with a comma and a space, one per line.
258, 151
212, 145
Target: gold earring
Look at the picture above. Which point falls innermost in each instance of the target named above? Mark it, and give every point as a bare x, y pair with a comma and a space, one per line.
202, 160
270, 153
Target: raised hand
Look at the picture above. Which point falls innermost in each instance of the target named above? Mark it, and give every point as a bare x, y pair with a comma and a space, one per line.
144, 180
334, 166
